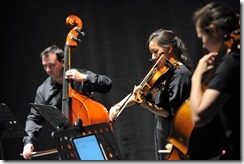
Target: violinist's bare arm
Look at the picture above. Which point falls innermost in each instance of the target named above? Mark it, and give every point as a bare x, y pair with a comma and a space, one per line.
132, 99
204, 104
149, 106
154, 108
115, 109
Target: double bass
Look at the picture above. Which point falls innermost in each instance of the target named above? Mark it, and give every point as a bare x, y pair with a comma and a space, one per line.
76, 106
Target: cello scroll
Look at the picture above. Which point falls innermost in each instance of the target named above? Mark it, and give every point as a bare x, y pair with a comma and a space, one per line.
232, 40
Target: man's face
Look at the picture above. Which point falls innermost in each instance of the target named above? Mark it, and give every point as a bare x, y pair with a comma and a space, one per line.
52, 66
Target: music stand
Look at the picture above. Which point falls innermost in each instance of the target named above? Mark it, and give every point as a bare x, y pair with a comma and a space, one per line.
62, 142
65, 131
10, 127
107, 139
52, 115
62, 125
103, 131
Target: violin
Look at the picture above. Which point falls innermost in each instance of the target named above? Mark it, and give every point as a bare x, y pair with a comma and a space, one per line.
156, 74
153, 77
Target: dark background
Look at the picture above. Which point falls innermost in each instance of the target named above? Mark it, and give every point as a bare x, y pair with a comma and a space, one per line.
114, 45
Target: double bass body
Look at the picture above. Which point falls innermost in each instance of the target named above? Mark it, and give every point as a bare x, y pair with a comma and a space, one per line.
86, 109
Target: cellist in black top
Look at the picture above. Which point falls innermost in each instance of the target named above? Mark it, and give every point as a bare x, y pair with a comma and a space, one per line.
218, 25
50, 91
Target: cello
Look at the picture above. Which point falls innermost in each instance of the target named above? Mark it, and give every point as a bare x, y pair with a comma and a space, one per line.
182, 130
75, 106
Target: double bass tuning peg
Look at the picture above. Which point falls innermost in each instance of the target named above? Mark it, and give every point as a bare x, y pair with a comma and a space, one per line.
79, 31
76, 39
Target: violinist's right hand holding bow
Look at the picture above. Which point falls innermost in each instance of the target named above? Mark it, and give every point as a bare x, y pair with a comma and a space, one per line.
136, 97
115, 109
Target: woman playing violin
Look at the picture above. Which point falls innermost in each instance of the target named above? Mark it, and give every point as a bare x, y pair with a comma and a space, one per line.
165, 97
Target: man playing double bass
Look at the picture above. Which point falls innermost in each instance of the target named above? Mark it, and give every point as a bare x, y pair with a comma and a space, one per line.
50, 91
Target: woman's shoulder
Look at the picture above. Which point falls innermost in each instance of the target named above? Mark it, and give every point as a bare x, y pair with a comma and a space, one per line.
183, 70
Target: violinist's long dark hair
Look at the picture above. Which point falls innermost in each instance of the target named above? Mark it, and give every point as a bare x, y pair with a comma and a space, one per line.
168, 37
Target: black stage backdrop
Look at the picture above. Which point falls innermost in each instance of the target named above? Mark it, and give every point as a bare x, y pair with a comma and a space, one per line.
115, 44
